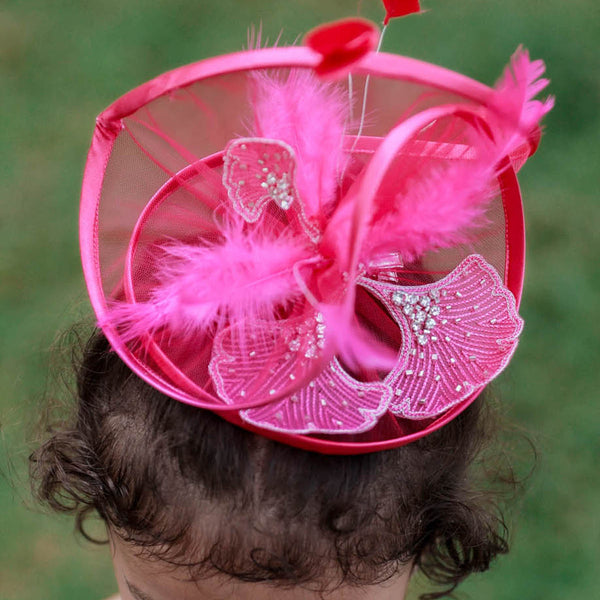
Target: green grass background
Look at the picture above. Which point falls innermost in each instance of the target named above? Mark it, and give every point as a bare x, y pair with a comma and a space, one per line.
62, 62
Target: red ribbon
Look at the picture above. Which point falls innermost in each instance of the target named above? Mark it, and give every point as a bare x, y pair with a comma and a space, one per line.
399, 8
341, 44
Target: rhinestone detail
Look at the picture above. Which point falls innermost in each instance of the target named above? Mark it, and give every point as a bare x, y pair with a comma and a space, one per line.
421, 311
279, 189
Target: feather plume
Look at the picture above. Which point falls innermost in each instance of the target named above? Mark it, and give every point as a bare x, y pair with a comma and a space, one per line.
200, 286
439, 209
357, 348
310, 116
442, 206
515, 114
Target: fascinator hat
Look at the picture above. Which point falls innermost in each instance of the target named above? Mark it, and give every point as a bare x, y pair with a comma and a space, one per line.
322, 243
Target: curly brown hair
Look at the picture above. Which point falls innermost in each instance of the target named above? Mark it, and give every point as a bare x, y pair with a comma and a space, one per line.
187, 487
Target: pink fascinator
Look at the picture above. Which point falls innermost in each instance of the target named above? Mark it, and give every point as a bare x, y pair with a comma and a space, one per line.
321, 243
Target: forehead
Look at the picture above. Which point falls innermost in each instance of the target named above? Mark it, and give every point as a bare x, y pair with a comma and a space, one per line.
143, 578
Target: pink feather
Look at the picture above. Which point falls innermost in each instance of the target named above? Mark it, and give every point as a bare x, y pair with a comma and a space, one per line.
357, 348
438, 211
517, 113
309, 115
199, 286
441, 207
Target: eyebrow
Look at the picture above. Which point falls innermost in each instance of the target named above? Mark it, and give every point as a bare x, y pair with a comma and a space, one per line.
137, 593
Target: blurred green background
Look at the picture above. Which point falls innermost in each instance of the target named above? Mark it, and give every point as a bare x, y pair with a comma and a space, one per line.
62, 62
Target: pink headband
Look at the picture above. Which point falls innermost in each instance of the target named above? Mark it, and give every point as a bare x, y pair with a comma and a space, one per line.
322, 244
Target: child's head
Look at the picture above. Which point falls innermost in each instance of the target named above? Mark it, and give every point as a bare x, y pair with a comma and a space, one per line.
187, 496
332, 265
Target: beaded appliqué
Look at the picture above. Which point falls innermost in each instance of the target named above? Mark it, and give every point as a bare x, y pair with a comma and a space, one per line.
327, 404
333, 402
258, 171
472, 334
440, 363
265, 358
